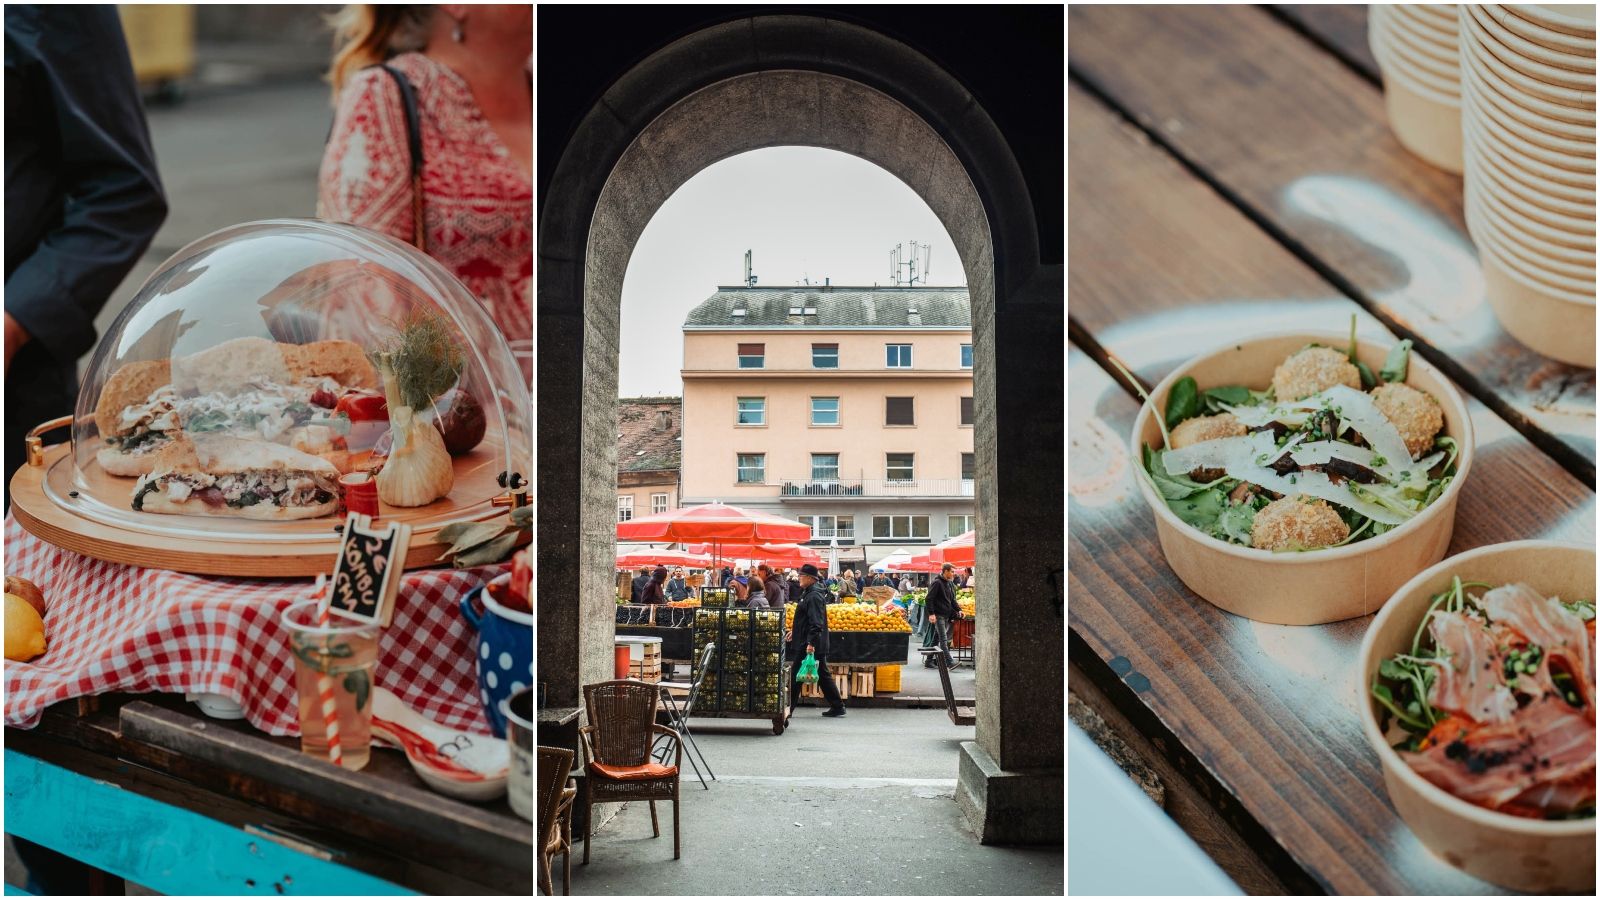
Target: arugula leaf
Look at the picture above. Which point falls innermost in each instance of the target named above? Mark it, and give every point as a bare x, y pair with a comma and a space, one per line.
1200, 510
1183, 401
1232, 395
1394, 365
1171, 487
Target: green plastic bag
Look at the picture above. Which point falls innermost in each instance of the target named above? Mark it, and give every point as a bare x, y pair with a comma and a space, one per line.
808, 669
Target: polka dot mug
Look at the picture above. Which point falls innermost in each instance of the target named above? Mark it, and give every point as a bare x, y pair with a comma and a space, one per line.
504, 652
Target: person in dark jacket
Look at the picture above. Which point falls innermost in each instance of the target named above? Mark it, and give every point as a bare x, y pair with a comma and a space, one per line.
791, 587
641, 581
654, 588
942, 610
777, 592
810, 635
83, 200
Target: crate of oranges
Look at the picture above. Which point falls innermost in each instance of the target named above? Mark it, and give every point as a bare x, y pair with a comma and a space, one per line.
854, 617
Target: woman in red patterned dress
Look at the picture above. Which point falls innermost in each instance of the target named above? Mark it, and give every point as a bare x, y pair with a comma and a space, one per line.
469, 66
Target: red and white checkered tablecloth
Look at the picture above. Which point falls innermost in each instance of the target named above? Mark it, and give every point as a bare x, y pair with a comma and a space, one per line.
113, 627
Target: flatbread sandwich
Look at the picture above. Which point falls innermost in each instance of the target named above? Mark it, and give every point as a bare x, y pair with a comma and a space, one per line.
221, 475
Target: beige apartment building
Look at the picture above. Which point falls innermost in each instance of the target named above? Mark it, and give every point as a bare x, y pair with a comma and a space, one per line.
648, 450
847, 408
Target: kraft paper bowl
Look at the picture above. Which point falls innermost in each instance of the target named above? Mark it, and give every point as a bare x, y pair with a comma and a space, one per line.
1565, 183
1520, 96
1400, 65
1522, 854
1547, 131
1440, 30
1474, 31
1318, 586
1559, 278
1436, 56
1542, 319
1538, 34
1572, 20
1473, 52
1522, 188
1531, 52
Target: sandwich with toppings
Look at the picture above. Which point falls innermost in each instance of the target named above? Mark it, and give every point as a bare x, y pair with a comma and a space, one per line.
1495, 700
221, 475
249, 388
1328, 454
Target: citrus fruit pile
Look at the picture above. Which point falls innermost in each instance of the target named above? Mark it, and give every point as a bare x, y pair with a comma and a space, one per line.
853, 617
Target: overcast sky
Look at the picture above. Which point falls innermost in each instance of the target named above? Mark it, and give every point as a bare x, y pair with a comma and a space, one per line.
803, 211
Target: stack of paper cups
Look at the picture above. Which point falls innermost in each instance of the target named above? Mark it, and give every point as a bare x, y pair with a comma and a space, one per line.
1528, 122
1416, 47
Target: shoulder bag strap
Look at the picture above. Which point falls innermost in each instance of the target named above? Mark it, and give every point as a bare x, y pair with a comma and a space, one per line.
408, 99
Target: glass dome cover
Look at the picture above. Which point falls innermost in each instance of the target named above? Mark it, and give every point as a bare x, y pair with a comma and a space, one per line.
254, 373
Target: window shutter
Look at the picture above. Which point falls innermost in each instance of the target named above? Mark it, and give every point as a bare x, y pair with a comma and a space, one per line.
966, 410
899, 411
752, 349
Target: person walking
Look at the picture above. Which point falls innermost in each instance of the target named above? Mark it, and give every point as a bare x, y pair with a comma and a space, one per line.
469, 70
677, 588
83, 201
941, 609
641, 580
809, 634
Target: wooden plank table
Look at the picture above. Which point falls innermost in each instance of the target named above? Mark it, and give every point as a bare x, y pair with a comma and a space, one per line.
203, 778
1217, 161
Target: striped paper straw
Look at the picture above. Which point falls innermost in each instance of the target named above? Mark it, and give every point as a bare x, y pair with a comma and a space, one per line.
330, 714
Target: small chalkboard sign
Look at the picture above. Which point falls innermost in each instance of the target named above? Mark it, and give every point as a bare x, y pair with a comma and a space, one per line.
367, 572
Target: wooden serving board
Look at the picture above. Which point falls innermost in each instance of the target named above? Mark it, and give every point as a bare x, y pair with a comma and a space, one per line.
288, 549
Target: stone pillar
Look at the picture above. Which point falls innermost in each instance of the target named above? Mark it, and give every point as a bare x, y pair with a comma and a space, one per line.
1012, 781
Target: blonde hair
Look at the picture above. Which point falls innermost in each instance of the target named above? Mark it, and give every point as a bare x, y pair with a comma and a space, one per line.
366, 34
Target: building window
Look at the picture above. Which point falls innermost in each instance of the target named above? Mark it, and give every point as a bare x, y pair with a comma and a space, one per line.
752, 356
899, 528
824, 410
826, 527
824, 356
899, 356
624, 509
960, 525
658, 503
752, 468
900, 466
752, 411
966, 356
966, 410
899, 411
968, 465
824, 467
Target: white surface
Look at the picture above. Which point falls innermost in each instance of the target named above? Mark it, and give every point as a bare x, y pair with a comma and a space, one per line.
1119, 843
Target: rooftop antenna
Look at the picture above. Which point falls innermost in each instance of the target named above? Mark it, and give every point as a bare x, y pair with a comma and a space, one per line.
749, 277
907, 271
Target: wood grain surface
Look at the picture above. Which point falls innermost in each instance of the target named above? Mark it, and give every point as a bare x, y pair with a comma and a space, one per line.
1300, 143
1162, 267
1340, 28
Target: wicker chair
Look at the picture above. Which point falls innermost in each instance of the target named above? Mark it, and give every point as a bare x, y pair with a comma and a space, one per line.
616, 744
555, 816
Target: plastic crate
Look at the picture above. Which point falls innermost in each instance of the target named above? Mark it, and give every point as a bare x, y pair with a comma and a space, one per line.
889, 679
735, 701
766, 702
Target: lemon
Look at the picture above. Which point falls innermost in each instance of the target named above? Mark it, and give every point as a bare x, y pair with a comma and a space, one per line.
24, 630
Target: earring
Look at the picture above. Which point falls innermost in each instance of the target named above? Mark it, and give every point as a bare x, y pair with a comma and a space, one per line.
455, 33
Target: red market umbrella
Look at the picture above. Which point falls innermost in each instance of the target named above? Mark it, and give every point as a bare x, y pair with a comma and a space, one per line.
960, 550
920, 563
714, 522
786, 555
636, 558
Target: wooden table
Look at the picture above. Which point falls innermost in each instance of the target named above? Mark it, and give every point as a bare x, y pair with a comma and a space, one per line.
1232, 172
153, 791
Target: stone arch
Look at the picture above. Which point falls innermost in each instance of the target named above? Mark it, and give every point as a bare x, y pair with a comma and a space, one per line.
744, 85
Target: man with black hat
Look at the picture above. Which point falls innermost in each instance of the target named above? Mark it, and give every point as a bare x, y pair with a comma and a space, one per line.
809, 634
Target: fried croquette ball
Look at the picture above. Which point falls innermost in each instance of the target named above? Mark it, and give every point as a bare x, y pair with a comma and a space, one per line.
1415, 414
1311, 371
1297, 522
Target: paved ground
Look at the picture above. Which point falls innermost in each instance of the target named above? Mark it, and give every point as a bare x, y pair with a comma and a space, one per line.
859, 805
228, 154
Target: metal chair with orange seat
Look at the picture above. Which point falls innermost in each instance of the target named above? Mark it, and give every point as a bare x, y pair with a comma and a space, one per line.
555, 816
617, 746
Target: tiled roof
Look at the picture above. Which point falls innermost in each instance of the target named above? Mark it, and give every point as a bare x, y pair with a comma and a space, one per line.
643, 445
836, 306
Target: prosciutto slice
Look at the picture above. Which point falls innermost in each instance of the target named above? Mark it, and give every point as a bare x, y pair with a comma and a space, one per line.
1469, 680
1544, 621
1543, 758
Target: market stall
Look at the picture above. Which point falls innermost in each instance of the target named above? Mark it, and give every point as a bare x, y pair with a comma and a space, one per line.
865, 647
281, 400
